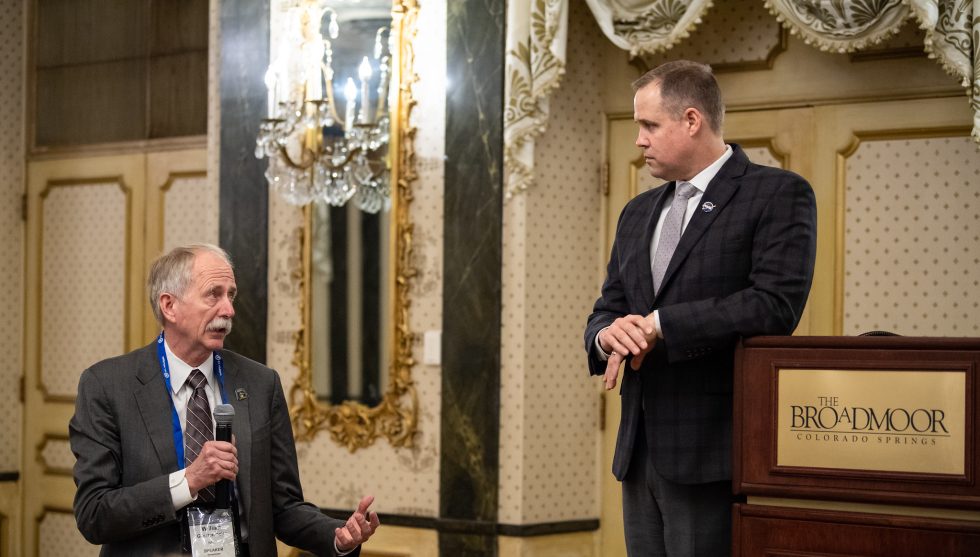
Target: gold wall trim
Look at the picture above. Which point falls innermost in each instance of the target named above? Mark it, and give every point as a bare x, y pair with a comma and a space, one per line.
172, 178
43, 195
39, 455
768, 143
45, 511
840, 194
353, 424
635, 166
139, 146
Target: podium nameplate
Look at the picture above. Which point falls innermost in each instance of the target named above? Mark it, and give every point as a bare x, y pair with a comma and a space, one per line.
876, 420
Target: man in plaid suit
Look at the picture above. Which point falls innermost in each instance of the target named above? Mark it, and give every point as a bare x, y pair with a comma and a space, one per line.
734, 260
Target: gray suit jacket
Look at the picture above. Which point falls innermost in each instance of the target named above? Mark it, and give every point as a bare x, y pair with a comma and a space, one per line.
122, 438
742, 268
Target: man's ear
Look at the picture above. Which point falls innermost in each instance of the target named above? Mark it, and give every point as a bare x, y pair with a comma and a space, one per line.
694, 120
167, 302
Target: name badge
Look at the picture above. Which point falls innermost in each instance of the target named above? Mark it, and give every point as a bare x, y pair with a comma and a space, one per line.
212, 532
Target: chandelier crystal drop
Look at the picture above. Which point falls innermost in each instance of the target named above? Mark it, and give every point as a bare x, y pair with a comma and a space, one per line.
315, 154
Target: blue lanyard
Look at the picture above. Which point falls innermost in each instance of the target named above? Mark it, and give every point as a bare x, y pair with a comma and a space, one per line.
219, 372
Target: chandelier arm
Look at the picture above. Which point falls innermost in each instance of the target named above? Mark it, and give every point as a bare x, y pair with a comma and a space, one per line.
302, 165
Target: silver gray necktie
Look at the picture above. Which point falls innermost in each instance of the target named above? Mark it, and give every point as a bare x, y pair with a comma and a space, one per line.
670, 232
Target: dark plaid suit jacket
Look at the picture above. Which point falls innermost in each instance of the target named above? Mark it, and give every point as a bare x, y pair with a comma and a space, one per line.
742, 269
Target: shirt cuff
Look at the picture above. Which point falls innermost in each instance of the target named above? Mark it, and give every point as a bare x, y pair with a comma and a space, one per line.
656, 323
180, 492
603, 355
339, 552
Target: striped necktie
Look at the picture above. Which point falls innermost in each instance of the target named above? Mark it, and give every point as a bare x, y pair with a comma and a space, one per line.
199, 427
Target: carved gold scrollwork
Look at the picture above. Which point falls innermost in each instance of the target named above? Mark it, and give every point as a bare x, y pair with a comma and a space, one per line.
353, 424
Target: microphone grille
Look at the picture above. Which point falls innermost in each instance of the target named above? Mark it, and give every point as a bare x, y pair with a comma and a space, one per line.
224, 414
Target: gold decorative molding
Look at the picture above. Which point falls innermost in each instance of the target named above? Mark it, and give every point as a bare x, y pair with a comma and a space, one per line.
49, 186
840, 193
48, 469
353, 424
768, 143
45, 511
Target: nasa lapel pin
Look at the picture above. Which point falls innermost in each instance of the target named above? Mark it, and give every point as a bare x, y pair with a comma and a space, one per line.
241, 394
707, 206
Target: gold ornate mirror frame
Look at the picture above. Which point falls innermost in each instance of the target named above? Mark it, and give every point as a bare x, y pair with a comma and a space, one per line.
353, 424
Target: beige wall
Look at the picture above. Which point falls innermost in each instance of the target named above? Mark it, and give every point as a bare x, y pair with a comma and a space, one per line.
11, 269
11, 228
550, 410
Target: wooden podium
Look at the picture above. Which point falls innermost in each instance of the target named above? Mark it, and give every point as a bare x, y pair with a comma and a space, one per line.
856, 446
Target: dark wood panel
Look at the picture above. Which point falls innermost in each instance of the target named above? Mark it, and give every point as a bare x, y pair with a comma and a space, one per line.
79, 32
93, 103
178, 95
754, 442
178, 26
789, 532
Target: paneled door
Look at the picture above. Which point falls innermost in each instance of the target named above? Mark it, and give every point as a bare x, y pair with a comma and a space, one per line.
93, 226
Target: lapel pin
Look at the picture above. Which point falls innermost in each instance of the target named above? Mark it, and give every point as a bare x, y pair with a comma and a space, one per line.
241, 394
707, 206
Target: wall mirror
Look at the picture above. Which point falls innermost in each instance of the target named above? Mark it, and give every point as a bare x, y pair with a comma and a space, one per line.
354, 351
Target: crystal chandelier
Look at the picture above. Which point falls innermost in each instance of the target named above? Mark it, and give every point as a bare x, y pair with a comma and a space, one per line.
314, 153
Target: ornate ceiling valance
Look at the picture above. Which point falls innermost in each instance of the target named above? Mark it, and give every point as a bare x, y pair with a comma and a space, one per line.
645, 26
536, 38
838, 25
953, 38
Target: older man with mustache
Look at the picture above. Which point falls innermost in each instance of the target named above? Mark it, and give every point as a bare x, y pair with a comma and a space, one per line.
147, 462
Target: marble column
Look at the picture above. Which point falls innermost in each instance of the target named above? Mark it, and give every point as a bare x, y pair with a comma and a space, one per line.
471, 298
244, 194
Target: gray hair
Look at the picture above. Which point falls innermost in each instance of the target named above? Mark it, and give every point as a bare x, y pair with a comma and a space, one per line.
171, 272
685, 84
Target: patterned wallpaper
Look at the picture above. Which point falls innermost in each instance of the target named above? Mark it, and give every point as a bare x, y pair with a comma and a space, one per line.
83, 250
57, 455
189, 215
58, 535
549, 415
11, 227
912, 237
405, 481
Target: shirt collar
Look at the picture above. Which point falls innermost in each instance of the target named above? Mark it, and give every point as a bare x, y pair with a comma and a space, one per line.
181, 370
703, 178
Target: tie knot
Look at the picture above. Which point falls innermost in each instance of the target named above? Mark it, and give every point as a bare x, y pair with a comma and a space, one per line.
197, 379
685, 190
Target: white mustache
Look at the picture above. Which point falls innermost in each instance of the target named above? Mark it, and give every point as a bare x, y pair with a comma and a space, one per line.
219, 323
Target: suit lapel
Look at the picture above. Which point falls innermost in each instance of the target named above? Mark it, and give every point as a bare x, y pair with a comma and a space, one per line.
717, 195
235, 383
645, 276
155, 407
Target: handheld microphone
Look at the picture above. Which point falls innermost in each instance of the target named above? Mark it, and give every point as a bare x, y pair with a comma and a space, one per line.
223, 416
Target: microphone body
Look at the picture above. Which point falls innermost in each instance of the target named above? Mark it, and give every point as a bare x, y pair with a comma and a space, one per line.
224, 414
